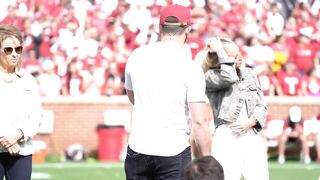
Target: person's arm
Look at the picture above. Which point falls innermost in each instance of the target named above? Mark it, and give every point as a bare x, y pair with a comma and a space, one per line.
225, 76
258, 119
30, 124
128, 77
221, 78
199, 111
200, 128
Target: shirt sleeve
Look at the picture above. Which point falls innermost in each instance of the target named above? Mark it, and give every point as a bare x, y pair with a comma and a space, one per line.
30, 122
196, 84
128, 70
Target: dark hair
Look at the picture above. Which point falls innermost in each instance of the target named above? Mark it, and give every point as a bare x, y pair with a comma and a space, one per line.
172, 28
310, 70
204, 168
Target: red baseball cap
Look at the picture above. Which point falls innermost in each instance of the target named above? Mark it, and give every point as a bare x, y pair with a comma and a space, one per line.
183, 14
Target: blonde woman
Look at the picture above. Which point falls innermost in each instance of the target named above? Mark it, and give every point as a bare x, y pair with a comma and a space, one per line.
239, 112
20, 108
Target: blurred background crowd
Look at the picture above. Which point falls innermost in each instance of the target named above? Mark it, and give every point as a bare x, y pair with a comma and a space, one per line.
80, 47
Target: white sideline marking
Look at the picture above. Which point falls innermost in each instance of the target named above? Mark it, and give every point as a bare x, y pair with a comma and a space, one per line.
291, 166
78, 165
40, 176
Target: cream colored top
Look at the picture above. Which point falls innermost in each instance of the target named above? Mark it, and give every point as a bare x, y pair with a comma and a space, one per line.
20, 108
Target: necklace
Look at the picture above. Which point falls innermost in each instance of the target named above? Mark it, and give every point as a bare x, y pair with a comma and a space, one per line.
8, 78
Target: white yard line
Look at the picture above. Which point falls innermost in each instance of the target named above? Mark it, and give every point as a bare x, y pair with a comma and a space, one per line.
40, 176
294, 166
78, 165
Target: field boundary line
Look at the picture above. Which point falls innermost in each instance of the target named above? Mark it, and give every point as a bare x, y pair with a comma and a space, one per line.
78, 165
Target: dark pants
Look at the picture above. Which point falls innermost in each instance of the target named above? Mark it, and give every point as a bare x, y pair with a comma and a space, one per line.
15, 167
146, 167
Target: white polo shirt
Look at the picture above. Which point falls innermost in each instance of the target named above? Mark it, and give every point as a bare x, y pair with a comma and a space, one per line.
164, 79
20, 108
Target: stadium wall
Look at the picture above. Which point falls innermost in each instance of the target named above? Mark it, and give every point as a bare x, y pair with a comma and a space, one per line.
75, 119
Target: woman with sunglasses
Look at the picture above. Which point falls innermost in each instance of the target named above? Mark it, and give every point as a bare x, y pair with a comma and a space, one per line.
20, 108
239, 112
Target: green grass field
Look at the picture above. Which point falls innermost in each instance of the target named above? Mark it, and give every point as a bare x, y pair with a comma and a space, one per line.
291, 170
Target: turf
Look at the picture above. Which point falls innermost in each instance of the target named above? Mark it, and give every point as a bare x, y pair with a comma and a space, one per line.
78, 171
291, 170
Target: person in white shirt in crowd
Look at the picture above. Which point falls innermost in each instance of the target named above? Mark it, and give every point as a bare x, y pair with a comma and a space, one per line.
49, 82
293, 132
312, 132
20, 108
167, 90
275, 20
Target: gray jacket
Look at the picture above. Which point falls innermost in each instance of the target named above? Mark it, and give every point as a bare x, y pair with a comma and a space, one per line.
227, 95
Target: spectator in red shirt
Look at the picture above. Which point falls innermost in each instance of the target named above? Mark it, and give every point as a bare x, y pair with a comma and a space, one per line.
32, 64
303, 54
293, 131
232, 18
268, 81
12, 18
307, 23
289, 80
45, 43
195, 43
73, 81
290, 30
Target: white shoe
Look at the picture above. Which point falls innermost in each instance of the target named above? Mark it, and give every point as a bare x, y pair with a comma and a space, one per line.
281, 159
307, 160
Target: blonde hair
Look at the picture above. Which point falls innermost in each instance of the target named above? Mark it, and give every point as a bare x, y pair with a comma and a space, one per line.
7, 31
211, 60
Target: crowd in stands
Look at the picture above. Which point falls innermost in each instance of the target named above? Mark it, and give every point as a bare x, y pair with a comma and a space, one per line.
80, 47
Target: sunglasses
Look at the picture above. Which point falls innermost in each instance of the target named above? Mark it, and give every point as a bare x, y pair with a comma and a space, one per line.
9, 50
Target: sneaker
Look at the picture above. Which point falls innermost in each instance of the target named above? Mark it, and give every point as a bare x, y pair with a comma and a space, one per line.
281, 159
307, 160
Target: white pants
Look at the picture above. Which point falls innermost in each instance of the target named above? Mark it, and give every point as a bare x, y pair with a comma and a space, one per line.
240, 155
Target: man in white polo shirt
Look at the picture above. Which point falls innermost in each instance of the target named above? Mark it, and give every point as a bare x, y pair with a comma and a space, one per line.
167, 90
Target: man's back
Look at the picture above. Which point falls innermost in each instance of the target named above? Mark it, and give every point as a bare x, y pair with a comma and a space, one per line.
161, 75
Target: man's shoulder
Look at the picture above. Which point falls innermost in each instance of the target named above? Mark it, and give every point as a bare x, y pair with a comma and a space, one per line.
146, 49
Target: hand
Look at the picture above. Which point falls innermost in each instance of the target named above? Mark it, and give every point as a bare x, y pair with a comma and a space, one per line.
241, 127
14, 150
10, 139
214, 45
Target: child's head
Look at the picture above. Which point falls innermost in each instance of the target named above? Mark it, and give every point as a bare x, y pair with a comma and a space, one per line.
212, 60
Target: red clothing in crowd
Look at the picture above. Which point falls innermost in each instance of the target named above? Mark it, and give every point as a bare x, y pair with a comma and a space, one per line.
312, 86
13, 20
290, 83
196, 45
45, 46
232, 18
267, 83
32, 66
73, 84
303, 56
